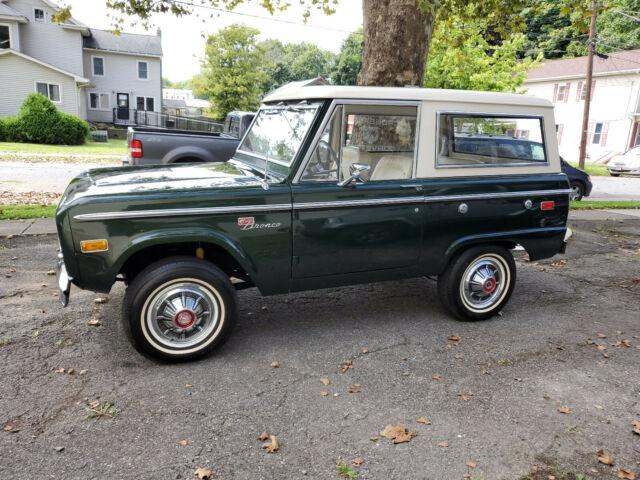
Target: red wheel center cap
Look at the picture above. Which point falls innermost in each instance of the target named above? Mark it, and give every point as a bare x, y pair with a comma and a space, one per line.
184, 318
489, 285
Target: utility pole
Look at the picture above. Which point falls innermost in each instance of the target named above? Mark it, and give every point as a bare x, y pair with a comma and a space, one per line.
587, 96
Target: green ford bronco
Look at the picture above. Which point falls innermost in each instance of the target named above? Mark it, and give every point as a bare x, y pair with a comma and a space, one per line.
330, 186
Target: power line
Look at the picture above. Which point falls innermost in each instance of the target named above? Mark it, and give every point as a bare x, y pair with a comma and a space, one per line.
260, 17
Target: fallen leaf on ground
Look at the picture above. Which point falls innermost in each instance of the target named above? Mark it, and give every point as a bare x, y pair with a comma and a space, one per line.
101, 300
458, 356
202, 474
59, 370
398, 434
7, 428
94, 322
364, 350
188, 385
636, 426
94, 404
564, 409
448, 346
604, 458
51, 272
426, 421
41, 310
358, 461
273, 446
559, 263
599, 407
347, 365
405, 374
436, 377
275, 364
324, 394
325, 381
601, 348
355, 388
629, 475
373, 439
182, 442
263, 436
454, 338
486, 372
443, 444
602, 335
71, 371
472, 464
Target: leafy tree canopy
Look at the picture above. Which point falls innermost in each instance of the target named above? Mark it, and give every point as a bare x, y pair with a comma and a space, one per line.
349, 61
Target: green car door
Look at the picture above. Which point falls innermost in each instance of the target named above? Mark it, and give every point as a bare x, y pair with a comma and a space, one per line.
343, 227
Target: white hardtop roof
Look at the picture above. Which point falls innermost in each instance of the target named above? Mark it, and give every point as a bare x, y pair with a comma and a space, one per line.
294, 92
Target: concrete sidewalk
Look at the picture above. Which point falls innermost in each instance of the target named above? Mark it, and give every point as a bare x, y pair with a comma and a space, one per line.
43, 226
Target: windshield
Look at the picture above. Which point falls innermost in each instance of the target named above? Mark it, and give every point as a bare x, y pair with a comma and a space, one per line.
277, 133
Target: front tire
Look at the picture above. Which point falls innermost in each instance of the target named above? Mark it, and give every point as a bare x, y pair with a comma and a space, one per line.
577, 191
478, 282
179, 308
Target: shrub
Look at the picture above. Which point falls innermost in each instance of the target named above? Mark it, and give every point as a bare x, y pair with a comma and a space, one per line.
39, 121
2, 128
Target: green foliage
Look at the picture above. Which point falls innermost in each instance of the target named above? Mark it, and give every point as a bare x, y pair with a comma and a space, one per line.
294, 61
348, 61
13, 212
39, 121
3, 129
232, 70
346, 471
461, 57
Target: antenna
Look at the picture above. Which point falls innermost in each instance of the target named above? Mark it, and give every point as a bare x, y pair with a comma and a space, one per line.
265, 181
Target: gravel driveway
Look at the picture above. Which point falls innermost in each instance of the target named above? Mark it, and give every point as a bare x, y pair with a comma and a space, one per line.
493, 396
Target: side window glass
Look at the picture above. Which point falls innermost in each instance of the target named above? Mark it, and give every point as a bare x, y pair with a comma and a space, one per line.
324, 162
382, 136
468, 140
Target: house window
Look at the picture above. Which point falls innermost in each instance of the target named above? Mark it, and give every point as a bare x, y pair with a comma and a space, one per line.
583, 93
597, 133
99, 101
49, 90
145, 103
143, 70
5, 36
38, 15
98, 66
561, 93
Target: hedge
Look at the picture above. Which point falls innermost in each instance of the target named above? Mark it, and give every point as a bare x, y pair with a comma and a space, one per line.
39, 121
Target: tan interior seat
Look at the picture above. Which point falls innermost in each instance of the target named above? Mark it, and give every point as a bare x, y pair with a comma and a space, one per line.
351, 155
393, 166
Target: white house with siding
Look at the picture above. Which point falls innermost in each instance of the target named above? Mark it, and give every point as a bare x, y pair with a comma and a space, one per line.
89, 73
615, 102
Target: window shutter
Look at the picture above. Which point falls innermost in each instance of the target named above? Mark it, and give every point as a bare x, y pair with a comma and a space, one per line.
526, 134
605, 131
593, 88
560, 128
555, 92
589, 132
566, 92
579, 91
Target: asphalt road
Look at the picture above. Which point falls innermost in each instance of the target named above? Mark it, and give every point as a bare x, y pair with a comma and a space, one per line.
54, 177
519, 367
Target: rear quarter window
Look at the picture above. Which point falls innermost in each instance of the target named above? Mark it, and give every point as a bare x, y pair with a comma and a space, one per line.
472, 140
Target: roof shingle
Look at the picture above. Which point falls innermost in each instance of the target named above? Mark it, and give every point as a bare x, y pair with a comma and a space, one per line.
124, 43
571, 67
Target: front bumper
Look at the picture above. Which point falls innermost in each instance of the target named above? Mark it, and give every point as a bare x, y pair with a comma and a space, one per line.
64, 281
621, 170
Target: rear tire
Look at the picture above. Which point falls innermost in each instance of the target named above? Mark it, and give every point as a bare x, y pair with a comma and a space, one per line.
179, 308
614, 174
478, 282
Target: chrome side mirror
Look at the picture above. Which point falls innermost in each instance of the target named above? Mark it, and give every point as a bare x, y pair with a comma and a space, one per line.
358, 171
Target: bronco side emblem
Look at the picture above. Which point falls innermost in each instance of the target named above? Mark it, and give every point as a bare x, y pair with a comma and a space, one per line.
245, 221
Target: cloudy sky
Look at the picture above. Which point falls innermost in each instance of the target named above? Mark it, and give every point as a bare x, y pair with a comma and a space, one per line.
182, 40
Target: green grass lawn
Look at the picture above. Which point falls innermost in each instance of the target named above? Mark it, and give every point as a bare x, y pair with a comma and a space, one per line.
14, 212
593, 169
585, 204
113, 147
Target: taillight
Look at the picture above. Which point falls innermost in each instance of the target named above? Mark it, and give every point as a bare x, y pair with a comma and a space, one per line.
135, 148
548, 205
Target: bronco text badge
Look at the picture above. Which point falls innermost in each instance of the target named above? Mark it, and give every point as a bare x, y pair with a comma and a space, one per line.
249, 223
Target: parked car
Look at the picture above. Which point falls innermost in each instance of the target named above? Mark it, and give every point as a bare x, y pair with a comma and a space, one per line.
579, 181
148, 146
331, 186
625, 164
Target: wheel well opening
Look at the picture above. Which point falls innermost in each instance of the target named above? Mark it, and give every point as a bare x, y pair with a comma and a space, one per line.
188, 160
210, 252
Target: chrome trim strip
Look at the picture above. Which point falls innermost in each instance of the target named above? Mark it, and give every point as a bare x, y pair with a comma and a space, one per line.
357, 203
174, 212
89, 217
491, 196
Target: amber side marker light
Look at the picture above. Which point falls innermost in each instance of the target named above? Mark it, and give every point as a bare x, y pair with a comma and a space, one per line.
94, 246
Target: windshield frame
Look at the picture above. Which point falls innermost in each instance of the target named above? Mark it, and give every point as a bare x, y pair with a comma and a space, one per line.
278, 167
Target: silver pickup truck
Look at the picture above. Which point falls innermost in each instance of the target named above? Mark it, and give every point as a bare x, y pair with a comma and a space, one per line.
149, 146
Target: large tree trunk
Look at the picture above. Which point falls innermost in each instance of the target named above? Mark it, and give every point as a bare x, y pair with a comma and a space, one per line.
396, 41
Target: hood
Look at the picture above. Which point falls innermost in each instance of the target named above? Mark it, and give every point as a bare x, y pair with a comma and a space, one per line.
161, 180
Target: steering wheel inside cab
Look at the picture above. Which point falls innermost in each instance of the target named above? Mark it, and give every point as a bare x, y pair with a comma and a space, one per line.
324, 162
